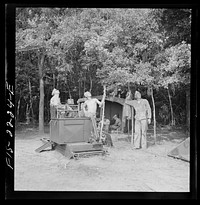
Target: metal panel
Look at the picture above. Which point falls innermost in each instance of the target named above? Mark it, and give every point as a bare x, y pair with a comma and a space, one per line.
54, 130
69, 130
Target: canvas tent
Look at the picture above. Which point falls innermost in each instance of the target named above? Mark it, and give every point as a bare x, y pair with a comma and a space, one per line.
182, 151
113, 105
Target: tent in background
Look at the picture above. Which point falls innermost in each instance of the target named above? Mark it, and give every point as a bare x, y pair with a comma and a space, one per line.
182, 151
113, 105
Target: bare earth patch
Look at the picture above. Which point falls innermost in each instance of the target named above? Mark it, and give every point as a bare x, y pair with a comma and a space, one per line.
122, 169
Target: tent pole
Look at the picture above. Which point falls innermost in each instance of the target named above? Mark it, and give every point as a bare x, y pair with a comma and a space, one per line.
128, 126
132, 118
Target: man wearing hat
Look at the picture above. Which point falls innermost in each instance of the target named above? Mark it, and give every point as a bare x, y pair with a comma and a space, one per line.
90, 105
54, 102
142, 119
90, 108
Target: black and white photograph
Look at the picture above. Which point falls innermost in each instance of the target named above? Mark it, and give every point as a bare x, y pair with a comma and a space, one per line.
101, 100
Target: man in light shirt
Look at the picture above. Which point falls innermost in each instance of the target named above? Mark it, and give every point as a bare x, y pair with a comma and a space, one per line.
90, 105
142, 119
54, 102
90, 108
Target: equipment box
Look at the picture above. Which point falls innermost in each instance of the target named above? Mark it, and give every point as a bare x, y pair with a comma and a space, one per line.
70, 130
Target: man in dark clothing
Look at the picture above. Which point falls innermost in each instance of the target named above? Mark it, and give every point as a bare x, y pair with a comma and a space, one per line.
117, 123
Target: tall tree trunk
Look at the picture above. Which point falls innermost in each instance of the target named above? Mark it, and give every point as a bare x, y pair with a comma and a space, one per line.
154, 115
31, 102
171, 108
54, 80
90, 84
70, 96
18, 106
58, 82
84, 84
79, 89
41, 103
27, 114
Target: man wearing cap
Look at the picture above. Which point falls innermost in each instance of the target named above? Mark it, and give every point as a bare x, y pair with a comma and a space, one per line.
142, 119
54, 102
90, 108
90, 105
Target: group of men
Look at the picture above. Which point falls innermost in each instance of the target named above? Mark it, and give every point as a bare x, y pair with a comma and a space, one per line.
140, 105
142, 116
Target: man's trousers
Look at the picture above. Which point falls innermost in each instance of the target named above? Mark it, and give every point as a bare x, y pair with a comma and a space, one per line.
140, 138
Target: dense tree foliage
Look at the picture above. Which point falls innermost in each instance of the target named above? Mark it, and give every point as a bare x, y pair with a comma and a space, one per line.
79, 49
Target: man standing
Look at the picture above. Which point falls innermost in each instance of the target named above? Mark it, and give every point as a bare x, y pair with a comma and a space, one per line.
142, 119
90, 108
54, 102
90, 105
127, 112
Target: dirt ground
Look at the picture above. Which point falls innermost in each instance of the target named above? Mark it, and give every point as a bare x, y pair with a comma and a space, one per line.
122, 169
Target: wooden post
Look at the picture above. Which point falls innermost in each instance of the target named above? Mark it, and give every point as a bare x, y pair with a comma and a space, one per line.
128, 126
103, 110
132, 121
171, 108
154, 115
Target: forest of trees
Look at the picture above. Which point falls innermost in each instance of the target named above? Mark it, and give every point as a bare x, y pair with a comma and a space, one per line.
81, 49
